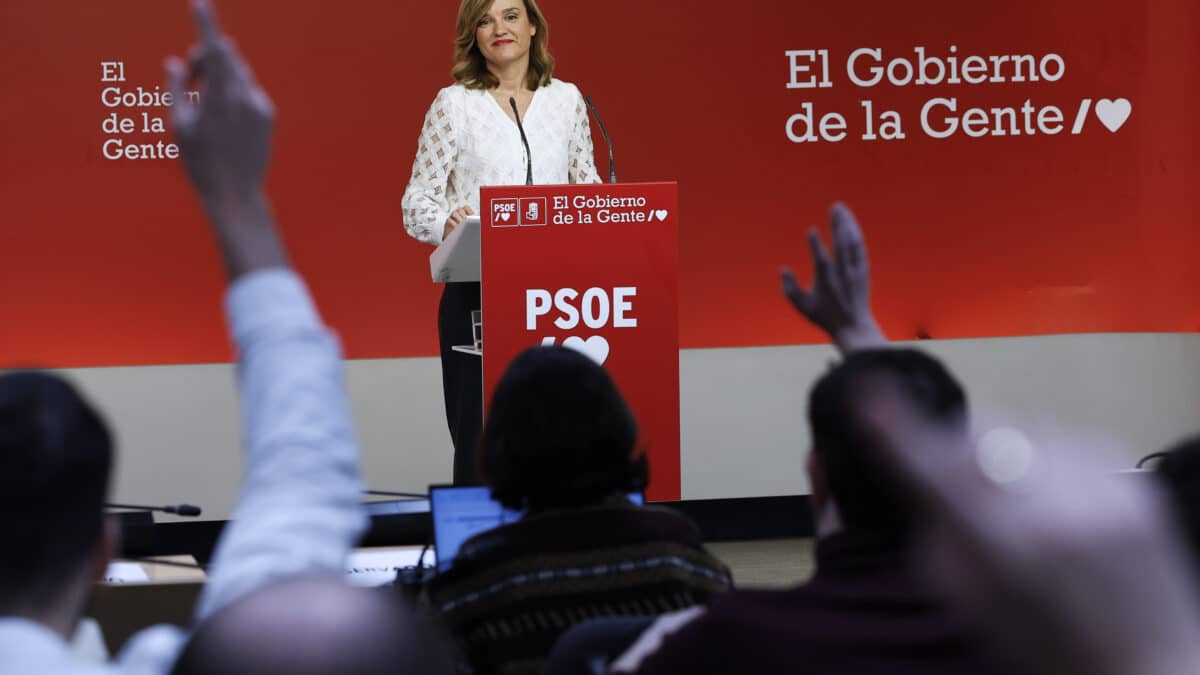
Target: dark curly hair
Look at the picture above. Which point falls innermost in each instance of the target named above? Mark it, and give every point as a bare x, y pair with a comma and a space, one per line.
869, 497
559, 434
56, 456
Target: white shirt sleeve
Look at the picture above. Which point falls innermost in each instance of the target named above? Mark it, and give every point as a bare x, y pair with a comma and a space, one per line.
651, 639
152, 651
581, 156
300, 509
425, 204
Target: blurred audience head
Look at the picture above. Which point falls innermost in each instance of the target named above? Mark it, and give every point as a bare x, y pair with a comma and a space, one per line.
317, 627
846, 466
55, 460
1179, 473
559, 434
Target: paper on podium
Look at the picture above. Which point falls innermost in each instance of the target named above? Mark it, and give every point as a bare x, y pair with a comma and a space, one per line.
457, 259
121, 572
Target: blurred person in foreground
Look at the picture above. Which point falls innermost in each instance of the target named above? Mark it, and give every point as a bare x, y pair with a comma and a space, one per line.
1178, 472
317, 626
867, 610
56, 455
305, 502
1068, 568
560, 443
299, 512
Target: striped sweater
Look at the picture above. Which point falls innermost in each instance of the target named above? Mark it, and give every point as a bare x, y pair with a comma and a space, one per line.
513, 590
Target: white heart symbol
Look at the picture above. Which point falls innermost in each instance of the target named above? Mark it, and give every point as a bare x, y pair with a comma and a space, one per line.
1113, 113
504, 217
595, 347
662, 214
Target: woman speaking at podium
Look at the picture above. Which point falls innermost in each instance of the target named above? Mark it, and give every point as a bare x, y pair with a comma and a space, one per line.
472, 138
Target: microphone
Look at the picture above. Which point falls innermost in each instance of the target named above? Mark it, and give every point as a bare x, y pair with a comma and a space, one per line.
612, 167
178, 509
407, 495
168, 563
528, 155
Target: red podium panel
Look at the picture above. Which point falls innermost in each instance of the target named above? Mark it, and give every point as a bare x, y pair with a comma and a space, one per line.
594, 268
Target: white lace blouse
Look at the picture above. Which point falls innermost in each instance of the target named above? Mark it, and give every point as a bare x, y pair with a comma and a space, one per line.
468, 141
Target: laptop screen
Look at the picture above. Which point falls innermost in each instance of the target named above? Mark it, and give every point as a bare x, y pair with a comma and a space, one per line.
461, 512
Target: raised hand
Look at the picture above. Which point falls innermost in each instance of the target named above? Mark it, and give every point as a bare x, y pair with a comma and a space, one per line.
225, 140
839, 300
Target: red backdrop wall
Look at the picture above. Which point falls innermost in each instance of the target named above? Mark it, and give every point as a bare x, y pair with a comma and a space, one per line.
108, 262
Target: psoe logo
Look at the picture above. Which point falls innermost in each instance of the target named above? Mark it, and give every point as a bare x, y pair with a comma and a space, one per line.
533, 211
504, 213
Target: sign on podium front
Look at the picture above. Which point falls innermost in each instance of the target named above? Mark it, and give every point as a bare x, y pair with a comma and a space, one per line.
593, 268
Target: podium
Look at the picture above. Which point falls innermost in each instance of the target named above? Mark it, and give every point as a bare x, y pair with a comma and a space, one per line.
457, 259
589, 267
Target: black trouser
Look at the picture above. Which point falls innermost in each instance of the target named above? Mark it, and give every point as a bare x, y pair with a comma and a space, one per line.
462, 376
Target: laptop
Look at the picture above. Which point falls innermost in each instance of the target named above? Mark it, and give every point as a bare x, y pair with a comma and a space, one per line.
460, 512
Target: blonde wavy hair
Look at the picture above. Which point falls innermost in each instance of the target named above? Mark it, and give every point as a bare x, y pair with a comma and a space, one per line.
470, 69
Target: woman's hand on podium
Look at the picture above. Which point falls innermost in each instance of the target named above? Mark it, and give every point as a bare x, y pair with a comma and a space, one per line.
839, 300
455, 219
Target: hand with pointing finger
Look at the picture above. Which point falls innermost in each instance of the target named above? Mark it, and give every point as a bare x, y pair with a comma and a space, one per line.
839, 300
226, 136
225, 139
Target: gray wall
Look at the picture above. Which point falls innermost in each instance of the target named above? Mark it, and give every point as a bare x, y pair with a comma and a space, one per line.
743, 425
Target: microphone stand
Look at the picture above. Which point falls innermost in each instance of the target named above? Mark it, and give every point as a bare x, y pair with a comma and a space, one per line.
612, 166
187, 510
405, 495
528, 155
